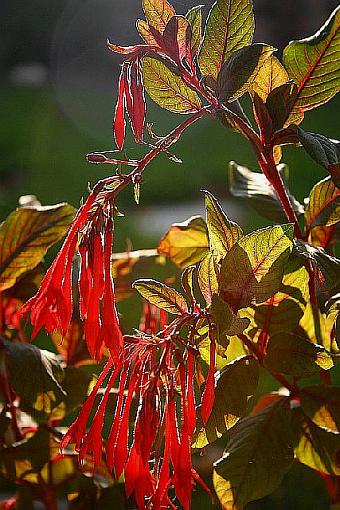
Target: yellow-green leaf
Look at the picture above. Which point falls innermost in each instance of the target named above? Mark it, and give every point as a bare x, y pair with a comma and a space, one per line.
186, 243
230, 26
26, 235
161, 296
317, 327
257, 456
314, 65
235, 384
194, 16
322, 405
158, 13
252, 270
223, 233
167, 89
291, 354
271, 75
208, 277
323, 206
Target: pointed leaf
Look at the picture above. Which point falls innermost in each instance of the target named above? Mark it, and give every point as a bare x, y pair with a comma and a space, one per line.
145, 32
322, 405
208, 277
187, 281
323, 206
186, 243
326, 266
256, 190
257, 456
240, 70
167, 89
313, 64
279, 104
271, 75
291, 354
161, 295
323, 150
235, 384
223, 233
252, 270
314, 446
25, 237
158, 13
194, 16
230, 26
226, 321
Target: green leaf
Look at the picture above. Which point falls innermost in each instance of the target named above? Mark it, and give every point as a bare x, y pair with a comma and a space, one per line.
322, 405
252, 270
158, 13
240, 70
26, 235
317, 327
315, 447
186, 243
223, 233
257, 456
326, 266
161, 295
279, 104
208, 277
194, 16
293, 355
313, 64
332, 308
226, 321
35, 376
323, 150
76, 384
323, 207
271, 75
255, 189
230, 26
187, 281
235, 384
167, 89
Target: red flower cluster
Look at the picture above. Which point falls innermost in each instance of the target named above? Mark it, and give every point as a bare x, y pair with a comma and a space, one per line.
155, 376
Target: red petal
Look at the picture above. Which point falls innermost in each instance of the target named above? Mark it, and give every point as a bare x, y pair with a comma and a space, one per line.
209, 390
119, 119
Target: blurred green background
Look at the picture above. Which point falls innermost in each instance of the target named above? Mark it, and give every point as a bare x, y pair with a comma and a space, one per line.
57, 94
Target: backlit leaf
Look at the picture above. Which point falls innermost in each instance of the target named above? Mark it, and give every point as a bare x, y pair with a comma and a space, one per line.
240, 70
223, 233
144, 31
226, 321
257, 456
323, 207
279, 104
167, 89
322, 405
252, 270
326, 266
291, 354
158, 13
271, 75
314, 446
186, 243
317, 327
194, 16
25, 237
187, 281
208, 277
313, 64
256, 190
161, 295
234, 385
230, 26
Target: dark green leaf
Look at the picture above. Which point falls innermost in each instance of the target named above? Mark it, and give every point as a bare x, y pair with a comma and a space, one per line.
322, 405
291, 354
226, 321
328, 266
320, 148
230, 26
161, 295
257, 456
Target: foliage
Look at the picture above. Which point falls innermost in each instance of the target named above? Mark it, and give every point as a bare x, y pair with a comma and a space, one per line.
245, 303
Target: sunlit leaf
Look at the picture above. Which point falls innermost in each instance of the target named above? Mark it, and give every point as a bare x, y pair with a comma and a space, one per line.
186, 243
240, 70
230, 26
257, 456
145, 32
194, 16
187, 281
326, 266
317, 327
255, 189
208, 277
322, 405
167, 89
332, 308
235, 384
161, 295
323, 207
279, 104
291, 354
25, 237
314, 446
271, 75
158, 13
223, 233
313, 64
252, 270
